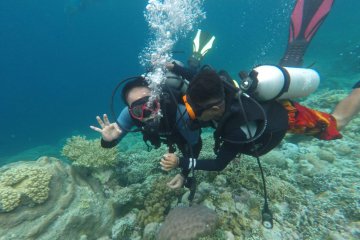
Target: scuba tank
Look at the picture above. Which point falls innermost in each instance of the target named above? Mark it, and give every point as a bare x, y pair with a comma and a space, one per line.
268, 82
176, 82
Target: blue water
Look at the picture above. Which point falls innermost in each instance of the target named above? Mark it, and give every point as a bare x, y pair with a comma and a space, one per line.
60, 60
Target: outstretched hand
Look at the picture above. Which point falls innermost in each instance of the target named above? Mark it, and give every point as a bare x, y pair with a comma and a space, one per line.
176, 182
109, 131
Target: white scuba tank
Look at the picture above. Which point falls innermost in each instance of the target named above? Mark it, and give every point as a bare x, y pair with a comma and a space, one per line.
275, 82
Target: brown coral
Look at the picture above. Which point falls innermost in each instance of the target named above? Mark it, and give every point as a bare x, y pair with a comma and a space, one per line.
74, 201
187, 223
23, 183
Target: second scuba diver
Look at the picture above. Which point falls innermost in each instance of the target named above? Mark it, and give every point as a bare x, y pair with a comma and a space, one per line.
243, 124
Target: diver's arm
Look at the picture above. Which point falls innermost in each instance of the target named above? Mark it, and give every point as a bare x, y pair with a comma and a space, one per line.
227, 152
109, 131
184, 72
348, 107
170, 161
112, 133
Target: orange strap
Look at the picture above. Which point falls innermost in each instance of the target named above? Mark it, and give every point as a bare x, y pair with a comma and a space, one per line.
303, 120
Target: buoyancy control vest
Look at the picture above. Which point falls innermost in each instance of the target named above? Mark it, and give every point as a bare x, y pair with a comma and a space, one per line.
275, 127
270, 129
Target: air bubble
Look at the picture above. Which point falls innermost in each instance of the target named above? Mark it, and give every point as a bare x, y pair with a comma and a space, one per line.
168, 21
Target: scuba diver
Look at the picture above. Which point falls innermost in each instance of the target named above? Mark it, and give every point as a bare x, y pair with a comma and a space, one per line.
159, 120
252, 118
306, 18
245, 124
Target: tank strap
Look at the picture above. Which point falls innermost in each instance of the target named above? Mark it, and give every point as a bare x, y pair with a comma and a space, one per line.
287, 80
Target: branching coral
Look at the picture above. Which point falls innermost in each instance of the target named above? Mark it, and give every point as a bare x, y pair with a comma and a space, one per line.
89, 153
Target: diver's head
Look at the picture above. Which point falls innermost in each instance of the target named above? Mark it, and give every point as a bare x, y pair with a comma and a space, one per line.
205, 97
136, 95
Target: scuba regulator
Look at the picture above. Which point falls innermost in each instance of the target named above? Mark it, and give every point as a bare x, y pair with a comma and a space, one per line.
249, 84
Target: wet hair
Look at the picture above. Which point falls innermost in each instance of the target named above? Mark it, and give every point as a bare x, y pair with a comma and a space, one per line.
137, 82
206, 86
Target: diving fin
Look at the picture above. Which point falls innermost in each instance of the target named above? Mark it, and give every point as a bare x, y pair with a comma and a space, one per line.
306, 18
202, 43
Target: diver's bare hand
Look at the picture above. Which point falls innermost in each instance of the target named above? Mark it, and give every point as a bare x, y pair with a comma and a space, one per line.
176, 182
109, 131
169, 161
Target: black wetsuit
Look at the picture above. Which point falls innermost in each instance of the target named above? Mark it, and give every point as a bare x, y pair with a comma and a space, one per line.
231, 131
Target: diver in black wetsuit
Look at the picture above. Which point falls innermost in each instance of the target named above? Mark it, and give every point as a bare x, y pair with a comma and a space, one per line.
244, 125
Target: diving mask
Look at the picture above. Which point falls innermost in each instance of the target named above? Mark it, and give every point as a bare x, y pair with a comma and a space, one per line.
143, 109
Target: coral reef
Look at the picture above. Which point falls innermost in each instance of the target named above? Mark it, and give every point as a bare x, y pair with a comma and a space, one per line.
22, 185
124, 227
73, 202
157, 201
312, 187
89, 153
137, 164
188, 223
